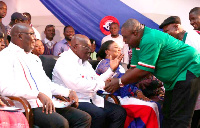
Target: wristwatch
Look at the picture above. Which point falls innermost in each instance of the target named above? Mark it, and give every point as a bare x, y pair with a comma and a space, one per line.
120, 83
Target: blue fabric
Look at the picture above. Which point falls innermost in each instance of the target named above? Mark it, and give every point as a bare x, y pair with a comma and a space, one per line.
128, 90
137, 123
85, 15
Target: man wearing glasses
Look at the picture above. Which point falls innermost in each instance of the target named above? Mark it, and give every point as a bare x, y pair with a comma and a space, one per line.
22, 75
72, 70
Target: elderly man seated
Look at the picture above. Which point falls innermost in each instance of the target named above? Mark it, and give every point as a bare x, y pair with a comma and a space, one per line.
73, 71
22, 75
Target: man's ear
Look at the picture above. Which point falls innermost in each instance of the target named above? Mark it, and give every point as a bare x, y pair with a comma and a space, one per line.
135, 32
176, 27
16, 21
20, 36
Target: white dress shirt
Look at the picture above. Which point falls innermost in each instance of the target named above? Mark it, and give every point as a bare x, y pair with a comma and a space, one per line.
22, 75
124, 47
49, 43
193, 39
79, 76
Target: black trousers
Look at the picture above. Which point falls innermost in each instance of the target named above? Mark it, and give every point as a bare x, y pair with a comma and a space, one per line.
179, 103
196, 119
111, 116
62, 118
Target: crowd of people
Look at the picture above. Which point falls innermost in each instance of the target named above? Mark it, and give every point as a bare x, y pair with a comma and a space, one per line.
157, 88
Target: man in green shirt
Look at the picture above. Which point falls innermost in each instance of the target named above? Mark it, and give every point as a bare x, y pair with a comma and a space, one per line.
171, 61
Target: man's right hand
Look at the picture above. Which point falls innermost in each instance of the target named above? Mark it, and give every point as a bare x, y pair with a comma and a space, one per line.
48, 106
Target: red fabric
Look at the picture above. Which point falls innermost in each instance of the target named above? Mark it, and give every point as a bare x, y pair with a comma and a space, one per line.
146, 114
13, 120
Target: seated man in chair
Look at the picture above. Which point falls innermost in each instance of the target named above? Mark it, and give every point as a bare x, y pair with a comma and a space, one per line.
22, 75
73, 71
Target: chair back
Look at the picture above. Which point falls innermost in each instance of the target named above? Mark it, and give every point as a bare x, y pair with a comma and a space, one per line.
48, 63
94, 63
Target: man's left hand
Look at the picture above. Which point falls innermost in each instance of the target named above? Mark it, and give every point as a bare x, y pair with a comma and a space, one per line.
73, 97
112, 86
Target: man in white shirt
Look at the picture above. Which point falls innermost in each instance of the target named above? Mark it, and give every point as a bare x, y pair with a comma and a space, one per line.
22, 75
48, 42
115, 36
73, 71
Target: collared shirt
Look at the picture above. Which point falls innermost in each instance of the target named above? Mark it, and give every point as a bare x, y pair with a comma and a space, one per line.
22, 75
49, 43
60, 47
48, 46
165, 57
122, 45
8, 29
79, 76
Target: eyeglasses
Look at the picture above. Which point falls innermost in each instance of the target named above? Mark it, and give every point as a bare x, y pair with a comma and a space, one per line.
30, 34
85, 47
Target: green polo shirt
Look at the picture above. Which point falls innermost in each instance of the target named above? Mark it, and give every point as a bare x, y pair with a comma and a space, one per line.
165, 57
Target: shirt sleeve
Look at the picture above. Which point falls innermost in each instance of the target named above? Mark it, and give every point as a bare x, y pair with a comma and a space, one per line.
78, 78
148, 55
134, 58
57, 49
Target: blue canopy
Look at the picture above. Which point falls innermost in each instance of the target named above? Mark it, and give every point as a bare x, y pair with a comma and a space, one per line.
85, 15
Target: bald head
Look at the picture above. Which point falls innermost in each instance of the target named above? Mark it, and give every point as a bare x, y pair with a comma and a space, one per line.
20, 27
131, 24
81, 46
79, 39
23, 36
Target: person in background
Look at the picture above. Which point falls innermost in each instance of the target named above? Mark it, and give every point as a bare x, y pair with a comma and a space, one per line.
172, 26
16, 17
93, 55
2, 42
28, 15
115, 36
194, 17
64, 44
171, 61
48, 42
39, 48
3, 12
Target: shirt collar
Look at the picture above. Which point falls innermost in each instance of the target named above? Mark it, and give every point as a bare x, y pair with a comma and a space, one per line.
75, 57
64, 41
16, 49
46, 41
